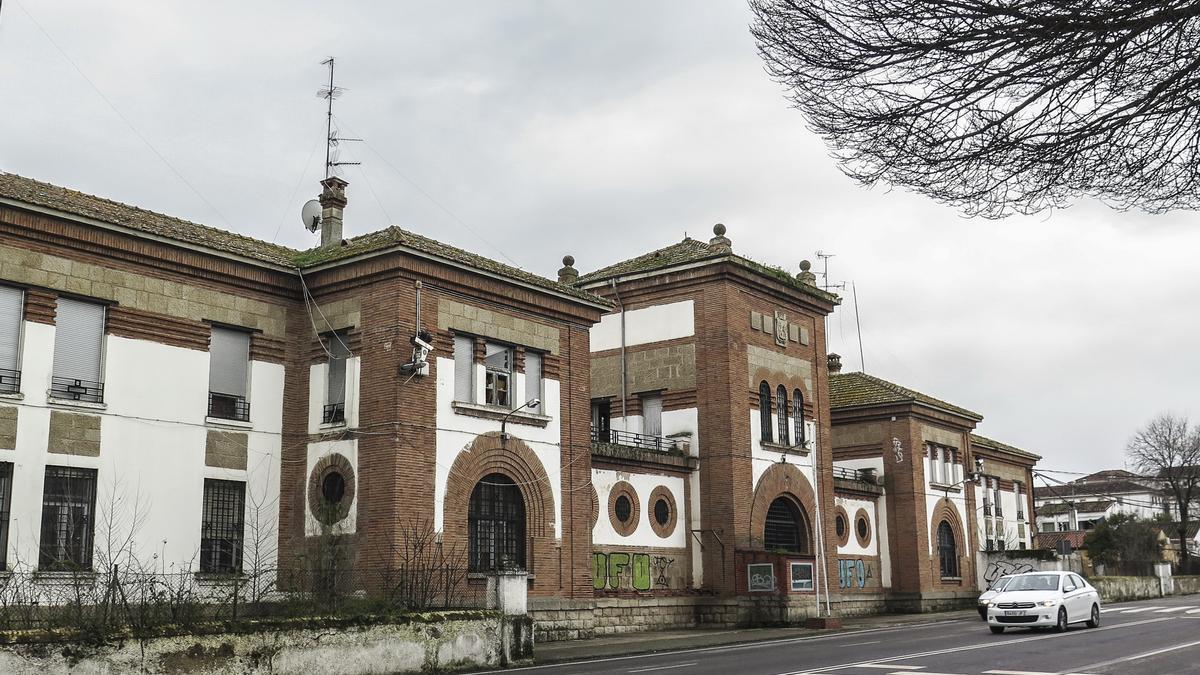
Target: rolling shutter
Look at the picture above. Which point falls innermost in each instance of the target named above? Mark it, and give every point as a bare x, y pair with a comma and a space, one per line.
78, 340
229, 359
464, 368
337, 368
533, 379
11, 300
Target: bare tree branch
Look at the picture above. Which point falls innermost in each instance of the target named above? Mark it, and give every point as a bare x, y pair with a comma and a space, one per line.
1168, 449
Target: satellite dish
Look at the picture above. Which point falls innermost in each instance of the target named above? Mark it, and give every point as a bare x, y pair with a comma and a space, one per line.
311, 215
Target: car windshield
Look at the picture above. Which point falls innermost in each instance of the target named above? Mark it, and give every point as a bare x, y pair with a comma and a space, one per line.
1033, 582
999, 584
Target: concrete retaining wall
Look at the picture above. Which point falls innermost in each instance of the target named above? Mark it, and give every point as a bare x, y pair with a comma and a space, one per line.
1120, 589
434, 643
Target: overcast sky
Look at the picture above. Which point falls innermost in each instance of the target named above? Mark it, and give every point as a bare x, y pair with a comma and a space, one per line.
524, 131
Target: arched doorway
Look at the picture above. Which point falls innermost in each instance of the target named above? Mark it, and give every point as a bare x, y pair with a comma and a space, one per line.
496, 525
786, 527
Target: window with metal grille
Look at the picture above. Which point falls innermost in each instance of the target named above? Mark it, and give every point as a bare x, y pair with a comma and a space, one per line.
68, 518
786, 527
222, 526
496, 525
228, 374
12, 302
764, 410
78, 348
798, 417
6, 474
781, 413
335, 395
497, 362
947, 551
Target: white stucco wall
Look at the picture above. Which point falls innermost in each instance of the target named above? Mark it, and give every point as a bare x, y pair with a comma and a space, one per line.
764, 457
456, 431
152, 445
643, 484
852, 547
649, 324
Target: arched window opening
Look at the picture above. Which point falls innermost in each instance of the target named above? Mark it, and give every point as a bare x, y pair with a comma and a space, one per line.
798, 417
764, 410
786, 527
947, 551
781, 410
496, 525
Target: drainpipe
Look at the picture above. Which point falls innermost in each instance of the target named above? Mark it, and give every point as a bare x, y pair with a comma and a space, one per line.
624, 378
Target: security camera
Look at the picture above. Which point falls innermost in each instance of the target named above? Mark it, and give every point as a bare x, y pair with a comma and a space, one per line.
423, 340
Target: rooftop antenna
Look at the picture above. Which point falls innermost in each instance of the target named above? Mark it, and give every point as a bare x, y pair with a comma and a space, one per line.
825, 285
331, 135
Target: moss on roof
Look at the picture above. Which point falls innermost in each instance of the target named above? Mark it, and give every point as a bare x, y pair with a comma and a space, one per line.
852, 390
45, 195
694, 251
986, 442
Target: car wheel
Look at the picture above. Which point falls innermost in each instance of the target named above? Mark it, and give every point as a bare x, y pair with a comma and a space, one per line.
1061, 626
1095, 620
996, 629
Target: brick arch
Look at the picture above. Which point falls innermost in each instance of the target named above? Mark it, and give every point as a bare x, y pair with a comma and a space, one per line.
487, 455
782, 480
944, 511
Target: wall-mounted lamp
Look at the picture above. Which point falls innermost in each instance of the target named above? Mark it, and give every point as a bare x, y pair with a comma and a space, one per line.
531, 403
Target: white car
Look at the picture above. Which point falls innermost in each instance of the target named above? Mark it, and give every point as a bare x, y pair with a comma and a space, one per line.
985, 598
1043, 600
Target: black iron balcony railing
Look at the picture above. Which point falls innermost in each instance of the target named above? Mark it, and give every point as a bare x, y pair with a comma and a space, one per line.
642, 441
334, 413
10, 381
228, 407
77, 390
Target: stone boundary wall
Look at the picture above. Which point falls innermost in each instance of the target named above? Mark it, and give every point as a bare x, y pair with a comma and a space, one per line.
1121, 589
439, 642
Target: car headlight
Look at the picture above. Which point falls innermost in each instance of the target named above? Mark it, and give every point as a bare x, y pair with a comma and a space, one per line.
985, 603
1048, 603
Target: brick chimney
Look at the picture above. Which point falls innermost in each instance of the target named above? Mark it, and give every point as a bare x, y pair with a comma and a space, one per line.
568, 274
835, 363
720, 242
333, 201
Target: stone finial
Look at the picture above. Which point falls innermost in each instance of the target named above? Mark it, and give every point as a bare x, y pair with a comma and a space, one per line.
720, 242
568, 274
333, 202
835, 363
806, 276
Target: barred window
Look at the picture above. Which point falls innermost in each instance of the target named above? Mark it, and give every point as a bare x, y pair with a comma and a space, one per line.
781, 411
764, 410
947, 551
496, 525
786, 527
6, 474
222, 525
68, 518
798, 416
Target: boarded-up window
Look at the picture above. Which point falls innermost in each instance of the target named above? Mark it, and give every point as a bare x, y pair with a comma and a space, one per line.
652, 414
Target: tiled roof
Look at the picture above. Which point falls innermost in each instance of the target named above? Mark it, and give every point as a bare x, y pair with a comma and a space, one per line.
694, 251
983, 441
1108, 474
851, 390
37, 193
1082, 507
1050, 539
1111, 487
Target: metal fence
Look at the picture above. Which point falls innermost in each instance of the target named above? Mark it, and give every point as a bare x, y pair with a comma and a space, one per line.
97, 603
629, 438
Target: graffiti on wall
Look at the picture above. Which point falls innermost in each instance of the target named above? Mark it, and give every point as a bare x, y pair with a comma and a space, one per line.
639, 571
999, 568
854, 573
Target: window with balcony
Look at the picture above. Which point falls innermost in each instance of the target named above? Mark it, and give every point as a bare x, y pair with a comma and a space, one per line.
68, 519
222, 526
335, 395
78, 351
652, 414
12, 302
497, 361
601, 420
228, 374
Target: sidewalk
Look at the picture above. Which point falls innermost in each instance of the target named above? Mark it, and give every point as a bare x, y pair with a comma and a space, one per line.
641, 643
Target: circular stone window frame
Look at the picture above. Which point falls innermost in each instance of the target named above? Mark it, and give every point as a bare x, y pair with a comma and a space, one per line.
663, 493
861, 516
844, 538
324, 512
623, 488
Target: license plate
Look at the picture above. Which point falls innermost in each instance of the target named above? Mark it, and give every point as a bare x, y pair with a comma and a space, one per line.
1013, 612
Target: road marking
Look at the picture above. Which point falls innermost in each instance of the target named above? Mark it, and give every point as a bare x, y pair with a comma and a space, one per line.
887, 666
1143, 655
855, 644
1172, 609
677, 665
1193, 611
1141, 609
978, 645
1015, 672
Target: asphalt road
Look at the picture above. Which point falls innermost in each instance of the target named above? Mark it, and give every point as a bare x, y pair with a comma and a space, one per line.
1150, 636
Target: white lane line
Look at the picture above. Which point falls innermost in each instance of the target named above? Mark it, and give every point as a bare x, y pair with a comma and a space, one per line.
886, 666
855, 644
979, 645
1015, 672
1172, 609
677, 665
1140, 609
1143, 655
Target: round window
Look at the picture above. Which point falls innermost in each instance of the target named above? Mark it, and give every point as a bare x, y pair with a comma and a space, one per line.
333, 487
840, 525
624, 509
662, 512
863, 528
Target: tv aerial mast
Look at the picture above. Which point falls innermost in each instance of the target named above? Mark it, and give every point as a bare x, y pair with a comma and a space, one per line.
332, 139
